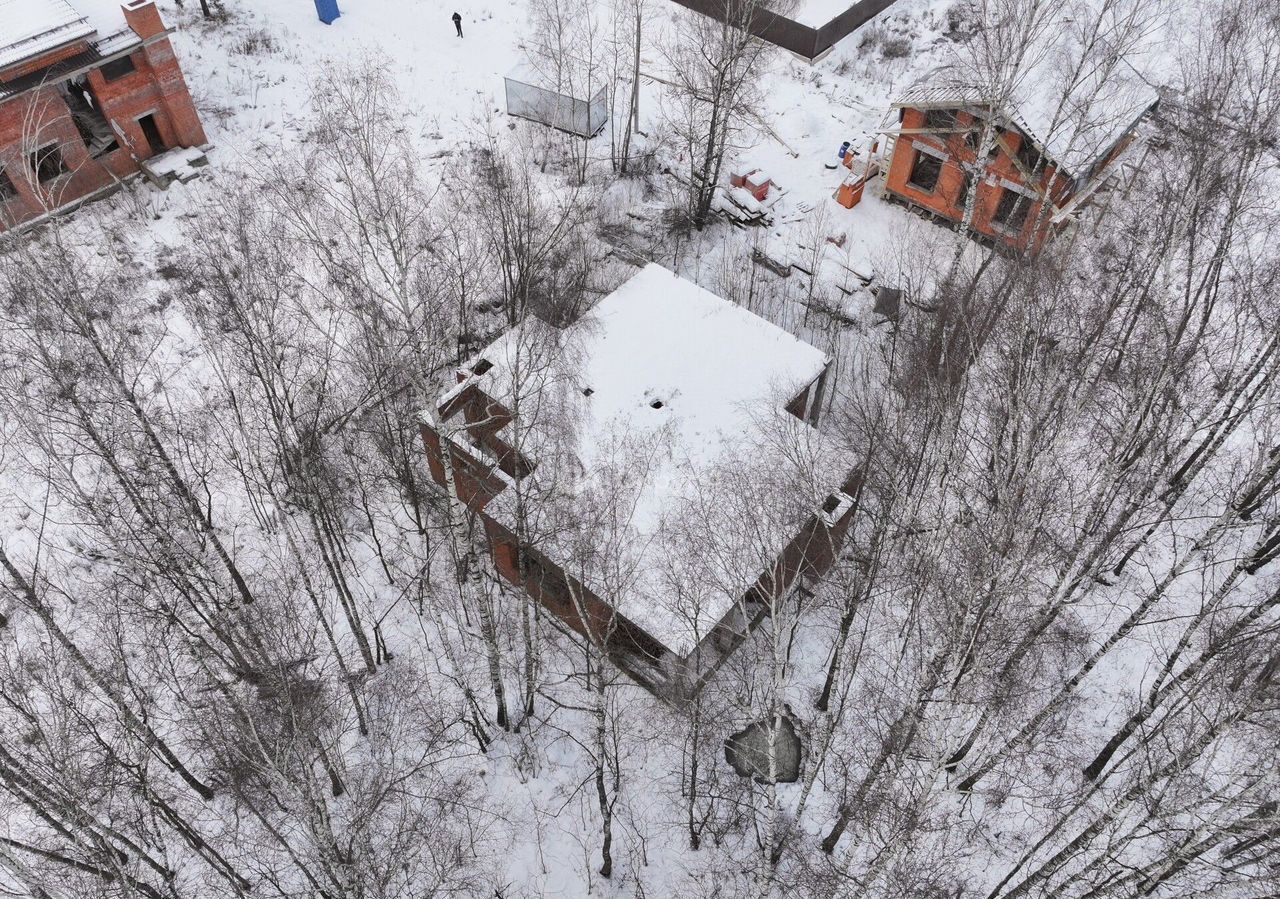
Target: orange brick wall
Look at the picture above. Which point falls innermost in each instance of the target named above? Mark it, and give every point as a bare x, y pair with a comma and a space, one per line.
551, 588
811, 552
475, 485
944, 199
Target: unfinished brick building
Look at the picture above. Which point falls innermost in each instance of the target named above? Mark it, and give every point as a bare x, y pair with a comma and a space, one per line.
651, 474
1043, 165
89, 90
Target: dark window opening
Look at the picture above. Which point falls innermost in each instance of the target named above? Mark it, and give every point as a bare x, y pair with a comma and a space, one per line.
47, 163
830, 504
587, 391
533, 571
1011, 211
1028, 155
481, 367
117, 68
529, 566
997, 142
925, 171
973, 133
7, 190
962, 195
941, 119
151, 131
521, 468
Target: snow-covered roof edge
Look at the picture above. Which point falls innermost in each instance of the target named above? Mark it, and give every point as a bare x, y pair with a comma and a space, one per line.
1062, 148
34, 27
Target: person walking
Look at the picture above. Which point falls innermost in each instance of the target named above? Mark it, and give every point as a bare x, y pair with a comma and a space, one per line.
457, 23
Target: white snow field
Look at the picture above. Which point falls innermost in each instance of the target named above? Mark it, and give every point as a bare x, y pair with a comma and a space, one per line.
718, 327
253, 101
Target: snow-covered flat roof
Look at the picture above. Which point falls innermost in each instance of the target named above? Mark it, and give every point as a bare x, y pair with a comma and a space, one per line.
106, 17
31, 27
663, 399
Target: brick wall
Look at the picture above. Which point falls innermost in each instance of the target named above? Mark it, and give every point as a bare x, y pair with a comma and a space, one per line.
810, 553
563, 596
544, 581
34, 120
38, 117
43, 61
799, 403
945, 199
807, 404
170, 88
475, 484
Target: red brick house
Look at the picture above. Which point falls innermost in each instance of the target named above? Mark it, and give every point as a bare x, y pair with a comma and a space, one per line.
651, 474
1039, 168
89, 89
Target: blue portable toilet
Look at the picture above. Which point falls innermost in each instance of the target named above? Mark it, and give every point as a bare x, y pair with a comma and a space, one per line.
327, 10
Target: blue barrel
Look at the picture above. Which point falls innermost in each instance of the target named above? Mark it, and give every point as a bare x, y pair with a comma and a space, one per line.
327, 10
844, 148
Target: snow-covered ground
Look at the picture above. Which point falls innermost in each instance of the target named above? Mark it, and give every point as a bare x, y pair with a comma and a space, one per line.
251, 77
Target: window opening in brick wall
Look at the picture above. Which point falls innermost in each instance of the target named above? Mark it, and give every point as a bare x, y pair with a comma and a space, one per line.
974, 132
98, 136
1011, 211
962, 195
117, 68
1028, 155
925, 171
47, 163
151, 131
940, 119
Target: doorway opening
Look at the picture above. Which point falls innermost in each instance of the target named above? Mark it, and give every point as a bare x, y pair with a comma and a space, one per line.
151, 131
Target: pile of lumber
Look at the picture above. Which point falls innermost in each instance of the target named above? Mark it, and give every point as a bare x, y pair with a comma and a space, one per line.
739, 206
